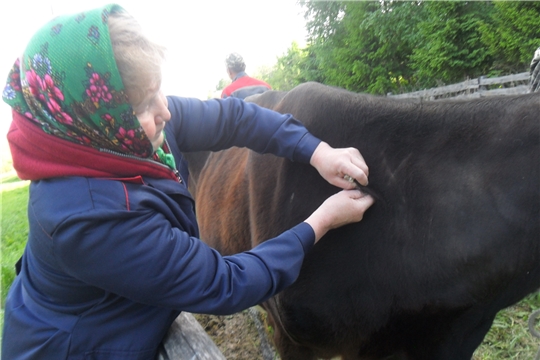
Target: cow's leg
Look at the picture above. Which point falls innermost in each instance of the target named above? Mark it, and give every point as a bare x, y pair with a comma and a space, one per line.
289, 350
464, 335
464, 341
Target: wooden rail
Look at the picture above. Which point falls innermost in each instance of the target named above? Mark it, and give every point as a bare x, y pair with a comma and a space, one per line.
187, 340
479, 87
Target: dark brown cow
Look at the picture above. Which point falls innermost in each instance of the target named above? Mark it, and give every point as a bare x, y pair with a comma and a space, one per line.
452, 238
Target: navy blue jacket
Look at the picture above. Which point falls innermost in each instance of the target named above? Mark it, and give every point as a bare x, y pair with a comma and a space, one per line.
109, 264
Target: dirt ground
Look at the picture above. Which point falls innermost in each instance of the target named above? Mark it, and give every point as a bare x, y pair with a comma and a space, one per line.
237, 336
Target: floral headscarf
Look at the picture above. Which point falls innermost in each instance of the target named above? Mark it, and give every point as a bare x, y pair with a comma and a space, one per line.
67, 81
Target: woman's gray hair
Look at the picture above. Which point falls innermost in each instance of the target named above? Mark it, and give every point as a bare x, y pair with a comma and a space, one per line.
138, 59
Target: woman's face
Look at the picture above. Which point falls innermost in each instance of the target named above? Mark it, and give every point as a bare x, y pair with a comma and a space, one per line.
153, 114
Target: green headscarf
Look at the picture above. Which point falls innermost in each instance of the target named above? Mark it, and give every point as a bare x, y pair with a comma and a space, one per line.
68, 82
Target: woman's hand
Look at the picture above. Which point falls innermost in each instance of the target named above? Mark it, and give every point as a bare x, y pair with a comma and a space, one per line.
345, 207
340, 167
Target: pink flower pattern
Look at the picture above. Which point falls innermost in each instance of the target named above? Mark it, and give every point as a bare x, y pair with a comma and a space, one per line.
125, 137
98, 90
15, 81
108, 118
46, 91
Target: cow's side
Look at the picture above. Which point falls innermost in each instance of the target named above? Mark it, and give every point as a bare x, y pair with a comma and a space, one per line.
452, 238
223, 203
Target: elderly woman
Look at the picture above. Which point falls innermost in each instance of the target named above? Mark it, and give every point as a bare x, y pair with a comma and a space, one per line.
113, 254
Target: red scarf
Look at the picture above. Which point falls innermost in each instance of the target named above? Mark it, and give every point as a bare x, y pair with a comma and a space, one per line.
37, 155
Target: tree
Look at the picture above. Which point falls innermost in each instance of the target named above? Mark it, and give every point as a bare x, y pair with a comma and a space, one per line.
451, 49
324, 24
512, 34
222, 84
366, 48
323, 18
287, 73
399, 46
380, 37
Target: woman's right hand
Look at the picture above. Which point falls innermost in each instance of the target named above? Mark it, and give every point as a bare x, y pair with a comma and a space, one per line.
342, 208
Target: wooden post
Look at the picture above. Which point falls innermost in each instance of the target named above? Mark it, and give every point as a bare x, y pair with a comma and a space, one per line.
187, 340
481, 86
256, 314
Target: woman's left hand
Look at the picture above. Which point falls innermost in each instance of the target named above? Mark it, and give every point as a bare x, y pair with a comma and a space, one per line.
340, 167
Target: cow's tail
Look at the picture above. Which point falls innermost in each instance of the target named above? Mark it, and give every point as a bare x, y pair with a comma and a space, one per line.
274, 309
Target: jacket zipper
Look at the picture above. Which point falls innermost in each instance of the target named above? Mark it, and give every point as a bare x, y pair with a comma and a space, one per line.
174, 171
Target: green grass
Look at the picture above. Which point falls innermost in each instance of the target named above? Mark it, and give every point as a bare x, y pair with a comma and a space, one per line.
509, 337
9, 178
14, 228
13, 231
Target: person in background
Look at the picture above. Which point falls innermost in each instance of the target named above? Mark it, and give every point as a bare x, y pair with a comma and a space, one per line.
113, 254
242, 85
534, 83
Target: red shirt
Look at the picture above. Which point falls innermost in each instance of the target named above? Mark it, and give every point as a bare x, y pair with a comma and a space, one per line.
244, 86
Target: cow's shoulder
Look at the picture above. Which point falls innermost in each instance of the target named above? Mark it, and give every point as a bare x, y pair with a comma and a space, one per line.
269, 99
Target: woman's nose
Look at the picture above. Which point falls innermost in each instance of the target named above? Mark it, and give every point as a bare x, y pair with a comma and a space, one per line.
166, 114
163, 113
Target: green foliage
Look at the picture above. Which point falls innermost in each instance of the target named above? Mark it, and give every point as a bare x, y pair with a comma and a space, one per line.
8, 178
14, 231
377, 40
451, 49
222, 84
512, 34
401, 46
348, 64
262, 72
288, 72
360, 46
509, 336
323, 18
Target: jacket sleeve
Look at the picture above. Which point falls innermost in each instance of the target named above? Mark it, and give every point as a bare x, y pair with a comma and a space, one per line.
219, 124
166, 267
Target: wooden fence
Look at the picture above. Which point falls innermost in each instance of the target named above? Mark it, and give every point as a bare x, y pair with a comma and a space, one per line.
187, 340
475, 88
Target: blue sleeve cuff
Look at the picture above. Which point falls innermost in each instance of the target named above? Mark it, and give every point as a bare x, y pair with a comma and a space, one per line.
305, 148
304, 232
